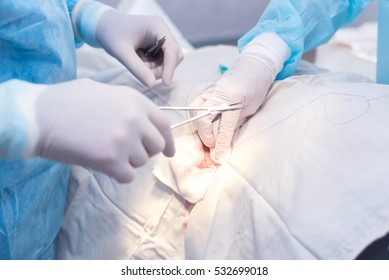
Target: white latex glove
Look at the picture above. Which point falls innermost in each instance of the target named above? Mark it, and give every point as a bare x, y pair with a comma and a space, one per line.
112, 129
247, 82
126, 36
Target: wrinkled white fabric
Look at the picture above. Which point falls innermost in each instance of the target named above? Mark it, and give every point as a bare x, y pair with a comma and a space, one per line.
351, 49
106, 220
190, 171
144, 219
307, 177
361, 40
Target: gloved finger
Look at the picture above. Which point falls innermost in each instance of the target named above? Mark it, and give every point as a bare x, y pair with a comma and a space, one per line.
172, 56
138, 155
228, 123
153, 141
122, 172
204, 125
162, 125
136, 66
169, 150
216, 127
156, 70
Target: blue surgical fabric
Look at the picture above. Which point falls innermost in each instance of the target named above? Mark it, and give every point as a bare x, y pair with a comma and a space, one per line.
37, 45
304, 25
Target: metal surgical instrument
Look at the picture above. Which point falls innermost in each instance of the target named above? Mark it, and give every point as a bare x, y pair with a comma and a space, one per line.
153, 50
213, 110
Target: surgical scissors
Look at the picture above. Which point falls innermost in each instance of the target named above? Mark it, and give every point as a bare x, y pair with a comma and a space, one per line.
213, 110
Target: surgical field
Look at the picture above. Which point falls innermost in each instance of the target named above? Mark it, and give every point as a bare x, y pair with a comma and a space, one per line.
305, 177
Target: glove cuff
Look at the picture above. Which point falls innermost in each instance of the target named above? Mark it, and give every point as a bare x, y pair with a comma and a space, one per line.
85, 16
19, 129
270, 49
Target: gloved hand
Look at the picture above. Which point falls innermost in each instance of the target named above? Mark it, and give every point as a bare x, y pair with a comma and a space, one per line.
247, 82
126, 36
112, 129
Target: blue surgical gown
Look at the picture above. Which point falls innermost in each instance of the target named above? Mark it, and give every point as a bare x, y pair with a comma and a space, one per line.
36, 45
304, 25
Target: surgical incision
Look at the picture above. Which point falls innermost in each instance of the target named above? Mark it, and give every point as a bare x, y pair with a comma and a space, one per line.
207, 160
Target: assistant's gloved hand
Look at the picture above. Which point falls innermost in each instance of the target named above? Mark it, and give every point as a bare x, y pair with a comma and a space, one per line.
247, 82
112, 129
124, 37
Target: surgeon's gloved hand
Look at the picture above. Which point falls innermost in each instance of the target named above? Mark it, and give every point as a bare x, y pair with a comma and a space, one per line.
112, 129
125, 37
246, 82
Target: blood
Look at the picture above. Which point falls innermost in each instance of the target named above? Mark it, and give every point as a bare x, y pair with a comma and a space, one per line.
207, 160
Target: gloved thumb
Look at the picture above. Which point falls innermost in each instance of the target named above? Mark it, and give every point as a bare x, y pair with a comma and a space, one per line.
204, 125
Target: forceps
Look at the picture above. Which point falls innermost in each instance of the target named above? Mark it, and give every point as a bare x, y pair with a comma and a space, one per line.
213, 110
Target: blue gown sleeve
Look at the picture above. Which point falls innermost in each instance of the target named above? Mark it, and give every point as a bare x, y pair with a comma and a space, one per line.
71, 4
13, 133
17, 121
304, 25
85, 19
